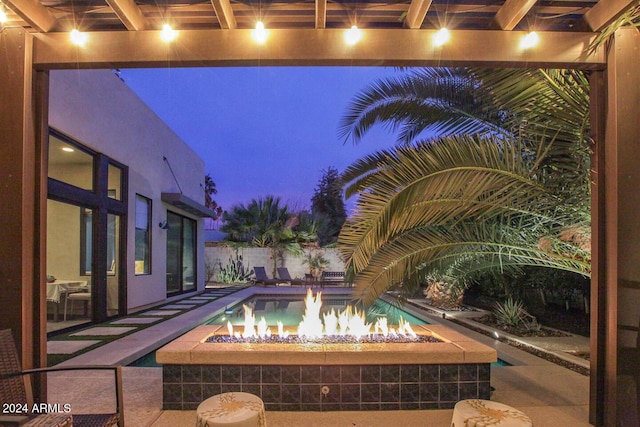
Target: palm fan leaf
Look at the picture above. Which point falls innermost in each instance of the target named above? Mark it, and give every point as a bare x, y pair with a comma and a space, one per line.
486, 246
438, 100
444, 181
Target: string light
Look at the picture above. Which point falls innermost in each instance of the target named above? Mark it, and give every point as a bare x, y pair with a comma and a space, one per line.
168, 34
353, 35
259, 34
529, 41
441, 37
78, 38
3, 14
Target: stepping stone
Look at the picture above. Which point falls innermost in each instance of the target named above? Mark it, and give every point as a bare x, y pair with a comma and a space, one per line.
181, 306
135, 320
103, 330
161, 312
68, 347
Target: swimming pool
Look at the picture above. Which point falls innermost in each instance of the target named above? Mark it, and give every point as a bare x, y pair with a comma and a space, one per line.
289, 310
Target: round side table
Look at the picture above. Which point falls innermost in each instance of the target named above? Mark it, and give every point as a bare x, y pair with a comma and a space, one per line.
481, 413
234, 409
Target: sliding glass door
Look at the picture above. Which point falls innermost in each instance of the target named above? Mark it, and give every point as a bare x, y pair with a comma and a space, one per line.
181, 254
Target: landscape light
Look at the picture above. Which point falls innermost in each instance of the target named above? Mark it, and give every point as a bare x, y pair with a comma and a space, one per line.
168, 34
352, 35
78, 38
260, 34
441, 37
529, 41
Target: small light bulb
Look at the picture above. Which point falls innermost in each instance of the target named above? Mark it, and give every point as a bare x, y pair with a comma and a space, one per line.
260, 34
3, 15
352, 35
168, 34
441, 37
78, 38
529, 41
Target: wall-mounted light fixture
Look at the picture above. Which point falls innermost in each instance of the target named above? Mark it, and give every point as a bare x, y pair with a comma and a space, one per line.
164, 225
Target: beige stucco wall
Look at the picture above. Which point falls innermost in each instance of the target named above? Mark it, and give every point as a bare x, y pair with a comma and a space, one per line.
97, 109
262, 257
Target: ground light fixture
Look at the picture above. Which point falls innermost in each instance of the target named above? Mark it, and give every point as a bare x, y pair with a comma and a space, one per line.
530, 40
78, 38
168, 34
353, 35
259, 34
441, 37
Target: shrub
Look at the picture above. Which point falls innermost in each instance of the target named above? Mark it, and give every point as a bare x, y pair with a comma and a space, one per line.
235, 271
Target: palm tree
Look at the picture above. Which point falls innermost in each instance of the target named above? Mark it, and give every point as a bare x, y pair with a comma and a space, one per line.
263, 223
462, 203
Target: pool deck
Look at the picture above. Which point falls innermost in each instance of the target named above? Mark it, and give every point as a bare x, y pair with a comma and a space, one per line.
550, 394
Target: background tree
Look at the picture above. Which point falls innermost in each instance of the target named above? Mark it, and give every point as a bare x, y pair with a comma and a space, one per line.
263, 223
209, 190
327, 206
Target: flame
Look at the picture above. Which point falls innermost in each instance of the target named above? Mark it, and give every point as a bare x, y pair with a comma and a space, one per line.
349, 321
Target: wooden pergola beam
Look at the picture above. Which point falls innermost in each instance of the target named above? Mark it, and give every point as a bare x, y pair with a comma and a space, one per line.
321, 13
512, 12
305, 47
417, 12
130, 14
607, 11
34, 13
225, 15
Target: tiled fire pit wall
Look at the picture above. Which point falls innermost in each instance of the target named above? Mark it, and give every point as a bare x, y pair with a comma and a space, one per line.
328, 377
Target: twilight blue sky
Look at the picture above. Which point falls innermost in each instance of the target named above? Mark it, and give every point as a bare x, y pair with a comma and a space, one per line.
261, 130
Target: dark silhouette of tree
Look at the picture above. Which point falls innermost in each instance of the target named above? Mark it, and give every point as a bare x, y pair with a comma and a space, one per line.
209, 190
327, 206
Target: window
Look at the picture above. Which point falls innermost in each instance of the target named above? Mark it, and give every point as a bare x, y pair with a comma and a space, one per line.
69, 163
143, 235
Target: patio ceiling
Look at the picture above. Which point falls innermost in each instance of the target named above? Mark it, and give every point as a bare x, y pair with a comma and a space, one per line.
128, 15
125, 32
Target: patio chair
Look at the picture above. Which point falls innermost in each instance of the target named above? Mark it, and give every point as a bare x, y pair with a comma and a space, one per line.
261, 277
283, 273
15, 387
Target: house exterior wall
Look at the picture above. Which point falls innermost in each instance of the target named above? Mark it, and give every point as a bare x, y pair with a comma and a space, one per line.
97, 109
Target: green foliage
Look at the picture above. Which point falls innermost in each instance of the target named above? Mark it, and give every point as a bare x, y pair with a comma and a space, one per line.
512, 313
234, 271
209, 190
316, 262
460, 204
509, 312
327, 206
261, 223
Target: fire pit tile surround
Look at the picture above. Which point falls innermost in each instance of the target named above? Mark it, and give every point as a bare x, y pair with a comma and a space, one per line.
316, 377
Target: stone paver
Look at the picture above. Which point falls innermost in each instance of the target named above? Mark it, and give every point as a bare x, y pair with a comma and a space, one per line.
135, 320
68, 347
103, 330
161, 312
179, 306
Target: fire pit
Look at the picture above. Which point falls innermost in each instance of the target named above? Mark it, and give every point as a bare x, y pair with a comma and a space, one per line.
341, 363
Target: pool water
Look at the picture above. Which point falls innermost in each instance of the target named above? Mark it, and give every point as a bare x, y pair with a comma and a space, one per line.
289, 311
